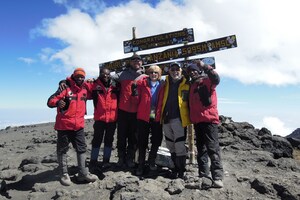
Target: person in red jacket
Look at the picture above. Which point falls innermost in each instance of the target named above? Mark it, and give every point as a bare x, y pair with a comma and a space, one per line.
147, 94
204, 115
104, 92
69, 124
126, 130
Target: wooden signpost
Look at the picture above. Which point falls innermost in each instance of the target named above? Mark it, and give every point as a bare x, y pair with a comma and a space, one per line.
178, 52
164, 58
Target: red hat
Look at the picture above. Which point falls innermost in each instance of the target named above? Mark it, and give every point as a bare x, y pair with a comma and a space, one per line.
79, 71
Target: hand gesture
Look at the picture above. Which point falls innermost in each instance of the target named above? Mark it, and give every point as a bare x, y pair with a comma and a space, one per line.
62, 86
61, 103
90, 80
134, 91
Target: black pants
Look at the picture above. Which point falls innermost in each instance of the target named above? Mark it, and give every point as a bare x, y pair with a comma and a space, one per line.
77, 138
101, 129
144, 130
126, 134
208, 146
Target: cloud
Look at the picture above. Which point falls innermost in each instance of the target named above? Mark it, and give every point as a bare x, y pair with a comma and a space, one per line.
276, 126
90, 6
267, 51
28, 61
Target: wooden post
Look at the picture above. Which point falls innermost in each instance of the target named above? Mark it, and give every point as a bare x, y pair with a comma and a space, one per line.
133, 37
191, 144
191, 138
133, 33
136, 159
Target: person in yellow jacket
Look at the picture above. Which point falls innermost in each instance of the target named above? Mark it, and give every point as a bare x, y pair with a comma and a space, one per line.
174, 115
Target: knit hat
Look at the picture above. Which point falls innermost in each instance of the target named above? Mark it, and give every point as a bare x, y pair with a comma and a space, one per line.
136, 56
193, 66
79, 71
175, 64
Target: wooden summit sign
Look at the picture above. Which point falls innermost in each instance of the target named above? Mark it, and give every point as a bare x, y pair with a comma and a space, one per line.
191, 50
161, 40
178, 52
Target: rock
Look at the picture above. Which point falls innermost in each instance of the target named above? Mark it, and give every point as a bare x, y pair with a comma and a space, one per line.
261, 187
284, 193
3, 186
256, 165
264, 131
175, 187
10, 174
295, 142
294, 134
279, 146
206, 183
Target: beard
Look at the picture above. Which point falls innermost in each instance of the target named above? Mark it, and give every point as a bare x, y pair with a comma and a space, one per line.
176, 77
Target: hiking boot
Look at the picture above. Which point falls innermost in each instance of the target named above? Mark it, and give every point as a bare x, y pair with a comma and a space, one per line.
140, 170
65, 180
95, 169
152, 166
218, 184
87, 178
106, 165
121, 162
173, 174
130, 163
181, 174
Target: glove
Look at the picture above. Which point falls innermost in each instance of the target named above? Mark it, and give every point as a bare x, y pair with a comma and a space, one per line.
134, 91
204, 95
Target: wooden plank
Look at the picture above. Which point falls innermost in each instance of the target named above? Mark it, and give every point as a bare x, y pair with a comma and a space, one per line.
191, 50
161, 40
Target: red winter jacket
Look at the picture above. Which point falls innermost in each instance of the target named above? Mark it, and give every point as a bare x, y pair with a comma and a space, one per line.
199, 112
105, 101
144, 99
126, 78
72, 116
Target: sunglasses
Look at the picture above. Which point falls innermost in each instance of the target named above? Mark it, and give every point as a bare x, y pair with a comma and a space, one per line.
135, 59
153, 72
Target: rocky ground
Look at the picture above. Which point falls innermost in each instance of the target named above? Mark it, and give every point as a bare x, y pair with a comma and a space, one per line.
257, 166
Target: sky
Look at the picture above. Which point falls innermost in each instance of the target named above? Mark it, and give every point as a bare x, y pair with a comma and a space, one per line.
42, 42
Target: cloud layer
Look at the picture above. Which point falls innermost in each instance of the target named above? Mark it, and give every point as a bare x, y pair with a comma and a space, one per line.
276, 126
265, 30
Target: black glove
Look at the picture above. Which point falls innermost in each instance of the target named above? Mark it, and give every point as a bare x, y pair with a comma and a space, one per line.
134, 91
204, 95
